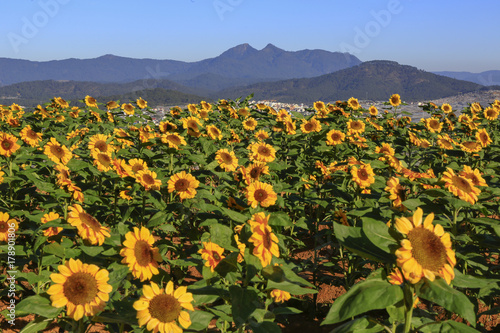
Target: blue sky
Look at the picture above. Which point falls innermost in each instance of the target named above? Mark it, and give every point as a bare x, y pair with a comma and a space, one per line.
431, 35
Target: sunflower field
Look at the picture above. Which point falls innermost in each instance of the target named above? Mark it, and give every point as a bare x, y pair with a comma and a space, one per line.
195, 223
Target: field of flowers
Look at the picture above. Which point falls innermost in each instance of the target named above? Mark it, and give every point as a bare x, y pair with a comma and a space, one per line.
195, 222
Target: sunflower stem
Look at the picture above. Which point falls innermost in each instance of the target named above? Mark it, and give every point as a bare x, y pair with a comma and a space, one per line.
408, 291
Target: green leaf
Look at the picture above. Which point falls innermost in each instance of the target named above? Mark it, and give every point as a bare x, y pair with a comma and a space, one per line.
378, 233
223, 236
280, 219
265, 327
55, 249
244, 303
439, 292
412, 204
370, 294
355, 240
92, 250
37, 305
286, 310
448, 326
292, 288
36, 326
235, 216
158, 219
470, 281
200, 320
360, 325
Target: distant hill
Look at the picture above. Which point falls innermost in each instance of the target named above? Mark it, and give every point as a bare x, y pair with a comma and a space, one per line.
38, 92
241, 62
488, 78
376, 80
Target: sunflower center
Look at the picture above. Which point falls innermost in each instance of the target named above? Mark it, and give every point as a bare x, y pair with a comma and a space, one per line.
104, 159
32, 135
90, 221
165, 308
356, 125
227, 158
174, 139
181, 185
6, 144
137, 167
462, 184
101, 145
428, 249
263, 150
143, 253
255, 173
147, 179
309, 126
3, 226
80, 288
57, 151
362, 174
216, 256
335, 137
266, 238
260, 195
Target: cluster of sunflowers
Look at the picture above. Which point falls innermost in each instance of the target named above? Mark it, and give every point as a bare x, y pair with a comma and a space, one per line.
195, 220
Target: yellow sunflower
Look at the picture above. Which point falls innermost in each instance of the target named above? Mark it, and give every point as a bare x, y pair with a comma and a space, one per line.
395, 100
128, 109
31, 137
311, 125
397, 192
259, 193
214, 132
474, 175
90, 101
262, 152
1, 176
254, 171
167, 126
355, 126
373, 110
99, 143
7, 223
88, 227
184, 185
491, 113
121, 168
136, 165
52, 231
460, 186
8, 144
82, 288
111, 105
265, 244
363, 176
60, 102
191, 123
280, 296
385, 149
445, 142
433, 125
142, 104
161, 309
261, 135
227, 159
353, 103
249, 124
147, 178
446, 108
290, 127
470, 146
319, 105
212, 254
173, 140
139, 254
426, 251
103, 161
483, 137
57, 153
258, 219
334, 137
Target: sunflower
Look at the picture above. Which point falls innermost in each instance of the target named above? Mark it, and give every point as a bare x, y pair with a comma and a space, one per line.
290, 127
249, 124
426, 251
433, 125
111, 105
385, 149
51, 231
167, 126
139, 254
395, 100
103, 161
7, 223
31, 137
212, 254
280, 296
259, 193
88, 227
396, 192
147, 178
491, 113
353, 103
261, 135
128, 109
227, 159
470, 146
90, 101
311, 125
262, 152
1, 176
241, 246
258, 219
161, 309
214, 132
57, 153
319, 105
8, 144
254, 171
206, 106
355, 126
363, 176
184, 184
473, 175
460, 186
334, 137
173, 140
121, 168
82, 288
191, 123
446, 108
483, 137
373, 110
142, 104
99, 144
136, 165
445, 142
283, 115
265, 243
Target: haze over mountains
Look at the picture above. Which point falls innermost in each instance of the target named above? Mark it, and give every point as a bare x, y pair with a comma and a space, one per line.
270, 73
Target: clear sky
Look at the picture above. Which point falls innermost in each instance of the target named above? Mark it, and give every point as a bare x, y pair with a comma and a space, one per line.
453, 35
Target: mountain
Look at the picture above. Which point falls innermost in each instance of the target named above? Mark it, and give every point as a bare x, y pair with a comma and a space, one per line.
376, 80
241, 62
488, 78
